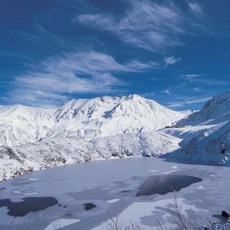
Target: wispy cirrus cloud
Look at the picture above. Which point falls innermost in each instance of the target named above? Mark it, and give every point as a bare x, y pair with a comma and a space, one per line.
94, 63
55, 79
146, 24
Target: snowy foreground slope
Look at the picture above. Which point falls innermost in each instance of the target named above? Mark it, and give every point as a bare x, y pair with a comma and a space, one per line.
205, 134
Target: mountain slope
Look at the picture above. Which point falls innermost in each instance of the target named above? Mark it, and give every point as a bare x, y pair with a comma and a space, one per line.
140, 144
107, 116
23, 124
206, 135
211, 146
216, 110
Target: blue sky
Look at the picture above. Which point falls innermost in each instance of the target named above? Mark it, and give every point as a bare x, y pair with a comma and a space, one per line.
175, 52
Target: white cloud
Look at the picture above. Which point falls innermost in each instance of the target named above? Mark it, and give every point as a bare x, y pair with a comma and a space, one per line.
195, 8
147, 25
138, 66
83, 72
171, 60
94, 63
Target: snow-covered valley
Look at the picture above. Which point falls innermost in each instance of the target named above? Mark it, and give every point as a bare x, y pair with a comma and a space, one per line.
139, 130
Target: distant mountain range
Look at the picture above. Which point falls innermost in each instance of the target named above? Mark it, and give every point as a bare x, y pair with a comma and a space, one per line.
98, 117
105, 127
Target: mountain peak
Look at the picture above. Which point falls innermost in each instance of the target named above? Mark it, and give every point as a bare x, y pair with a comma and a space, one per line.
133, 97
218, 100
216, 110
106, 116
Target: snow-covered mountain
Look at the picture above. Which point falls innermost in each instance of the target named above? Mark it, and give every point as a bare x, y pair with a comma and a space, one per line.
205, 135
21, 124
89, 118
211, 146
216, 110
107, 116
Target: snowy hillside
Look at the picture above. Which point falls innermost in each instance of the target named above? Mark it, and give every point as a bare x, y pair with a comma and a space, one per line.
205, 135
212, 146
216, 110
51, 152
43, 154
23, 124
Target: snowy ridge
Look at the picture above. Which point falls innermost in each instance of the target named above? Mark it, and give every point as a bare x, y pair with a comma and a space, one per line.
141, 144
107, 116
216, 110
206, 135
21, 124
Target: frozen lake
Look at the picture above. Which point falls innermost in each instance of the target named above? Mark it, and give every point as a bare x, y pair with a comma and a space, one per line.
87, 195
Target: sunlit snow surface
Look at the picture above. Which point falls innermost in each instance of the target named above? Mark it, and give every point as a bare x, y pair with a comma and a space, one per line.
112, 186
